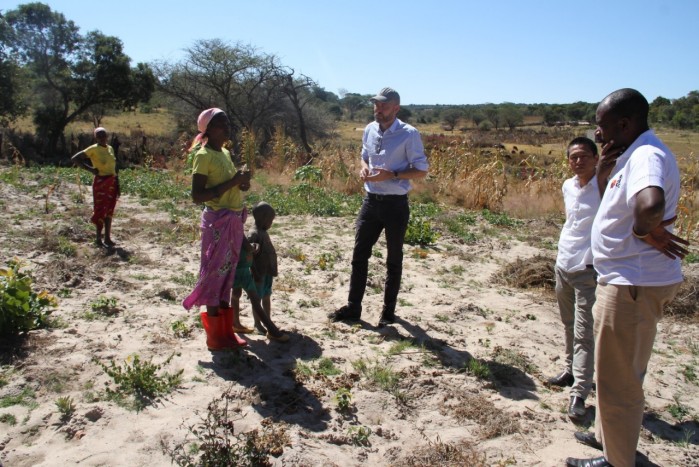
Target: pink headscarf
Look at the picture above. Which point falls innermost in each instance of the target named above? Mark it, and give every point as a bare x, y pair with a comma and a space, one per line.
203, 123
99, 129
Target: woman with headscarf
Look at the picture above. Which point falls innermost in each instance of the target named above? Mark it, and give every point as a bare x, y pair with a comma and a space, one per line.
217, 184
99, 160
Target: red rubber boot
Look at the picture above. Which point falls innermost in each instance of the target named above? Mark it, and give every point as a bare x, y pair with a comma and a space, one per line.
227, 314
216, 338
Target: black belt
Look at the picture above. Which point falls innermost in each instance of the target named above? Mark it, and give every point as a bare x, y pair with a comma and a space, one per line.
385, 197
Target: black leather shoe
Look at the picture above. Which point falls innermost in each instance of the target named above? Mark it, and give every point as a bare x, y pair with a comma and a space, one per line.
562, 379
588, 438
387, 318
593, 462
344, 314
576, 408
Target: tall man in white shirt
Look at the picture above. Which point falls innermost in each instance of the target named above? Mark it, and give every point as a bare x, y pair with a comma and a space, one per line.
638, 261
576, 279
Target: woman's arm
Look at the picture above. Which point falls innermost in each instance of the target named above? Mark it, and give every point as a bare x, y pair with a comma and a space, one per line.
201, 194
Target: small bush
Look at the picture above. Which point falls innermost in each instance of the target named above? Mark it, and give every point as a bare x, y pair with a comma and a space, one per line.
140, 380
66, 407
21, 308
214, 442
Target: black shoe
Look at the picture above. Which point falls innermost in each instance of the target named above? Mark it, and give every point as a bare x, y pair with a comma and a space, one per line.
593, 462
562, 379
588, 439
386, 320
344, 314
576, 408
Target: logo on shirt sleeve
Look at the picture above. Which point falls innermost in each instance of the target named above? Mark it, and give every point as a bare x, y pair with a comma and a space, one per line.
616, 183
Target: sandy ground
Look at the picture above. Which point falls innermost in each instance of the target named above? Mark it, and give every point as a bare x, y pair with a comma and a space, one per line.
451, 310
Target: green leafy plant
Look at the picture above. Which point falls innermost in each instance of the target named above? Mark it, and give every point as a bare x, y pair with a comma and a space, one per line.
310, 173
8, 418
359, 435
477, 368
691, 258
689, 373
380, 375
500, 219
343, 399
181, 329
420, 232
678, 410
102, 307
66, 407
21, 308
141, 380
26, 398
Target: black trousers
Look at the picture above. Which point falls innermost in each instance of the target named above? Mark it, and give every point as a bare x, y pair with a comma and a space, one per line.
389, 213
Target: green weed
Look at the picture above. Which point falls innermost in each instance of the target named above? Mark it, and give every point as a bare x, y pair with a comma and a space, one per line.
66, 407
101, 308
21, 308
359, 435
343, 399
478, 369
678, 410
26, 398
420, 232
140, 380
500, 219
213, 440
8, 418
180, 328
689, 373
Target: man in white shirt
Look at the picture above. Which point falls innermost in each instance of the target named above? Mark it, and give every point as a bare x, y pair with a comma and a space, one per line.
575, 277
638, 261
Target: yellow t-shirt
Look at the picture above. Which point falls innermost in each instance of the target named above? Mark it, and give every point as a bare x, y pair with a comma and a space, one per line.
218, 167
102, 159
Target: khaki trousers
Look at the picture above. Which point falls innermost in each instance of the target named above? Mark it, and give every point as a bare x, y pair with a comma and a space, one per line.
575, 293
626, 319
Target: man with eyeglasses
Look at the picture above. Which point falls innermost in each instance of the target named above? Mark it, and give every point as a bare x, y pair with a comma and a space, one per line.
575, 277
392, 155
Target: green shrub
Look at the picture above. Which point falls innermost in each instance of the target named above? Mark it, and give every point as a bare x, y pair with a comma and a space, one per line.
140, 380
500, 219
420, 232
21, 308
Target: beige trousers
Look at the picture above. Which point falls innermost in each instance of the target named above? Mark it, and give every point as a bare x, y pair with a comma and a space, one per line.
625, 323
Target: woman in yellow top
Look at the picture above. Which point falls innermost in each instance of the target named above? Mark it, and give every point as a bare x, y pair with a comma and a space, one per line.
217, 184
99, 160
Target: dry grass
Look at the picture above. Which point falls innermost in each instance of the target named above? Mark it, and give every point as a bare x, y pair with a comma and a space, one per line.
686, 302
492, 422
439, 453
535, 272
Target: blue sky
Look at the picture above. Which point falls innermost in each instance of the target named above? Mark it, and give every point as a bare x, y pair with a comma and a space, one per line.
432, 52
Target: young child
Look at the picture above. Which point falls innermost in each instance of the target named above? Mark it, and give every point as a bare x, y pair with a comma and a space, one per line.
264, 262
99, 160
244, 281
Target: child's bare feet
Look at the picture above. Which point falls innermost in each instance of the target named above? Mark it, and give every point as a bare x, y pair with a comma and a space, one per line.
108, 242
260, 329
99, 244
279, 336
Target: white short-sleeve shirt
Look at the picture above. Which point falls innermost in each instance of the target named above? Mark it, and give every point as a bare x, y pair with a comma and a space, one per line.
581, 203
618, 256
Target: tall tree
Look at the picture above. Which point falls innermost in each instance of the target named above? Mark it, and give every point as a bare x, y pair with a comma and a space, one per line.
254, 89
12, 84
71, 73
